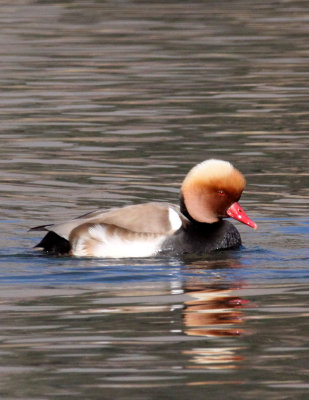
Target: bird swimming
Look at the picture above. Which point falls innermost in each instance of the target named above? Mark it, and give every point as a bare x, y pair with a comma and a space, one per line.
209, 194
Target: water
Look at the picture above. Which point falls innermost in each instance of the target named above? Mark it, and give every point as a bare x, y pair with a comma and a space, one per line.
109, 103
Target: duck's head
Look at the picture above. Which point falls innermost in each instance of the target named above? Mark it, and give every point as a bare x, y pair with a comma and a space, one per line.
211, 191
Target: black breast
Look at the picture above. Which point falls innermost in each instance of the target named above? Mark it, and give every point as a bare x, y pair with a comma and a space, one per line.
198, 238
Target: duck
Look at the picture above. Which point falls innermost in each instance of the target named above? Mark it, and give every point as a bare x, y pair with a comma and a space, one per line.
209, 195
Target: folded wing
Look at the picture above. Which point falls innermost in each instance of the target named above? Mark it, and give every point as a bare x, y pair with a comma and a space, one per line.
136, 230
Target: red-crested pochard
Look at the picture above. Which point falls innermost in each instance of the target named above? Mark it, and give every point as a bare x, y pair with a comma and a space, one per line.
209, 193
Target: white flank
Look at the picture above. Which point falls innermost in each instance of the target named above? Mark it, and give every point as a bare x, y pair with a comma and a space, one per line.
78, 247
174, 218
113, 246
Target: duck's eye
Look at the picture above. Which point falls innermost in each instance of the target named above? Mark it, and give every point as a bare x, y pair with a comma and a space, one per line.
221, 192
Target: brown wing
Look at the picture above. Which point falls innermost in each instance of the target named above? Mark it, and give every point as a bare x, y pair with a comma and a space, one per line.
153, 218
145, 218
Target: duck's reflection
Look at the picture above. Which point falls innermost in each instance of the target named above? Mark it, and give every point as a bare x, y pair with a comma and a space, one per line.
213, 311
204, 307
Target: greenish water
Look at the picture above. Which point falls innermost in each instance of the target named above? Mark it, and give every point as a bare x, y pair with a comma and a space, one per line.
108, 103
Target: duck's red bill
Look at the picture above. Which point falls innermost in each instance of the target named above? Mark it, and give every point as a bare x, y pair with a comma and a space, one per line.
236, 212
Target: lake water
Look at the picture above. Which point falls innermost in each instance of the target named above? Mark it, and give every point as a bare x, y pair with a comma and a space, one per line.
108, 103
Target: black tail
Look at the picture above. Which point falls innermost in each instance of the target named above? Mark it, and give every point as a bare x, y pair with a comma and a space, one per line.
54, 244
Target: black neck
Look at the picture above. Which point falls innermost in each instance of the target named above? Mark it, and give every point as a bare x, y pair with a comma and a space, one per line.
183, 208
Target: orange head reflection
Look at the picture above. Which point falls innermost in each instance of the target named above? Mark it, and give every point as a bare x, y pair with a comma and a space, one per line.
212, 311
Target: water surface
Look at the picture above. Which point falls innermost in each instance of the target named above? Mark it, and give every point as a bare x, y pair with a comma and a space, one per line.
111, 103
